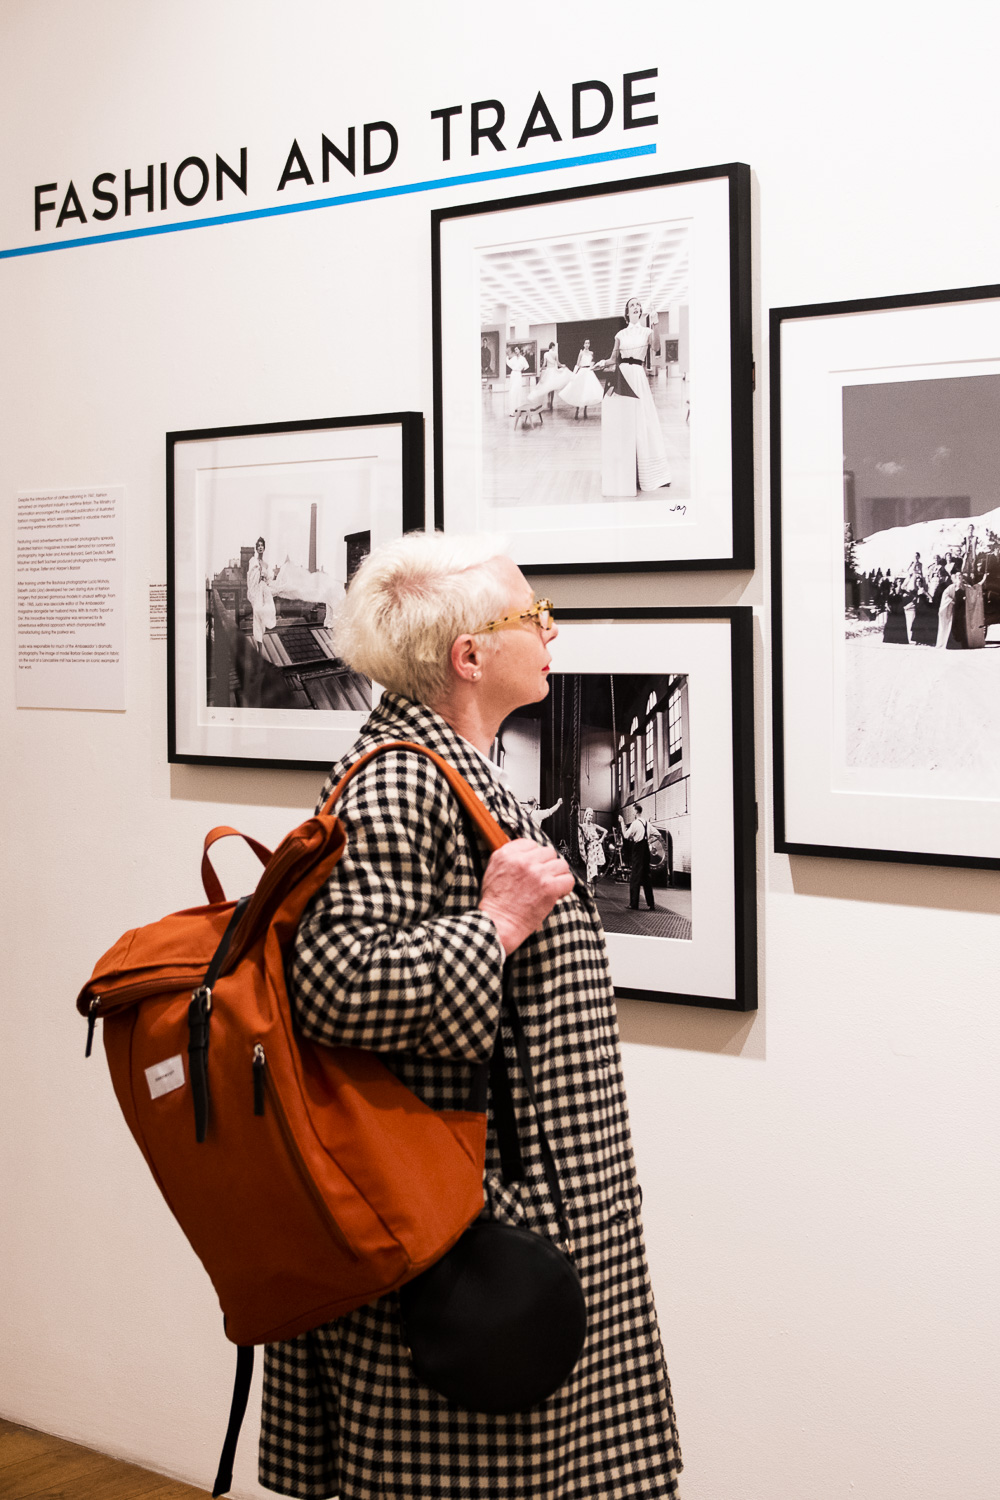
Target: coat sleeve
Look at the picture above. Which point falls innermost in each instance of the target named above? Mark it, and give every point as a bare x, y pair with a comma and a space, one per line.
393, 954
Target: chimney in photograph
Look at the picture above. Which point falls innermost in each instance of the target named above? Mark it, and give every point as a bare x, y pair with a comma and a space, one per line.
312, 538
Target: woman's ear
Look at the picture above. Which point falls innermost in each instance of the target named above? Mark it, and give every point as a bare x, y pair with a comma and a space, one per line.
466, 658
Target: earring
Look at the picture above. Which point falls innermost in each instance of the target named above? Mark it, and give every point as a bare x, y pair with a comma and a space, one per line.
476, 676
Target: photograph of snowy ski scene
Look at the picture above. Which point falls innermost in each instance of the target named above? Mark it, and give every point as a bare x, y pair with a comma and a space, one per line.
922, 578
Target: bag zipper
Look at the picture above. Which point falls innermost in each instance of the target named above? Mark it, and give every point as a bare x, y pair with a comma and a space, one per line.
259, 1064
145, 989
193, 974
263, 1087
91, 1023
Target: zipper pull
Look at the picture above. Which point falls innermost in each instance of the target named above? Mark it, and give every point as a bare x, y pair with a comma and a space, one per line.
259, 1064
91, 1023
199, 1019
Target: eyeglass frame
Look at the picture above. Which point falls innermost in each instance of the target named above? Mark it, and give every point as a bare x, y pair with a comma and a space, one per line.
540, 607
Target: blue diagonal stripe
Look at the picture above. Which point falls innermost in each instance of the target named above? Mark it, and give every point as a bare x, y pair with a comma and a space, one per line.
430, 186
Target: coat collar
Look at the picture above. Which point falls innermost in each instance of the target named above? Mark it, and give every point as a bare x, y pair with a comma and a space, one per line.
399, 718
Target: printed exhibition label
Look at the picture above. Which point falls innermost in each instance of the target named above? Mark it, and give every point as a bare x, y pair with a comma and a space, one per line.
69, 599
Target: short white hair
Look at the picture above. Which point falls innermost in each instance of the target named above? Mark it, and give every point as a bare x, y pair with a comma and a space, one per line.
409, 602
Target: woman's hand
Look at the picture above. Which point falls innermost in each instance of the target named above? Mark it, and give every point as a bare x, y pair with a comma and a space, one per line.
522, 883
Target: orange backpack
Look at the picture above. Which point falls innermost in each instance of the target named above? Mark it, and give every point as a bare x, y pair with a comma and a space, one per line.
307, 1178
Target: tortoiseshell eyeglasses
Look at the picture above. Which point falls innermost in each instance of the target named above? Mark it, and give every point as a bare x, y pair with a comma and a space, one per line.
541, 614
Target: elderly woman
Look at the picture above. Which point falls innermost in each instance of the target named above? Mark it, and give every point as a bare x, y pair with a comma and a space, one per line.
402, 953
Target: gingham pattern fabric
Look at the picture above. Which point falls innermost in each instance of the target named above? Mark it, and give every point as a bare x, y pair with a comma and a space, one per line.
394, 956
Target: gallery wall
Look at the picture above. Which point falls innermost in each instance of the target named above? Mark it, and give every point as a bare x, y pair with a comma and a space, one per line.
819, 1176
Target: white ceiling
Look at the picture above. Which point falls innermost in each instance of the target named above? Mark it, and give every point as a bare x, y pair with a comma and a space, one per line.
585, 276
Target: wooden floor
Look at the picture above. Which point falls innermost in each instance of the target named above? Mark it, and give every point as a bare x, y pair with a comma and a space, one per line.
34, 1466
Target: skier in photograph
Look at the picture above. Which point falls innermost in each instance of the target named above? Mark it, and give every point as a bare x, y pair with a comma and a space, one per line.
637, 832
259, 594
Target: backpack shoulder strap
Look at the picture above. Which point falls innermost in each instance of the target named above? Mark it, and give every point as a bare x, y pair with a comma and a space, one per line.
482, 818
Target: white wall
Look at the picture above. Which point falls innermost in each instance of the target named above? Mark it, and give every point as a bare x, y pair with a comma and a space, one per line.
820, 1204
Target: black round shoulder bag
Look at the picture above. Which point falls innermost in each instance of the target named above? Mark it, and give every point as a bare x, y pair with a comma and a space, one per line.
498, 1323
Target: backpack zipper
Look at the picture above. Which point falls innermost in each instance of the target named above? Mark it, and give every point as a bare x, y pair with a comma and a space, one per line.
91, 1023
259, 1064
146, 989
262, 1086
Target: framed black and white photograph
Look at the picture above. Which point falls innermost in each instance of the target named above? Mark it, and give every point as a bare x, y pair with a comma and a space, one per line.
886, 577
618, 434
639, 766
266, 526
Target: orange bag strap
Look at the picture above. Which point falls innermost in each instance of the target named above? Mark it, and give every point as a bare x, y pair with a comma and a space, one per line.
484, 821
209, 879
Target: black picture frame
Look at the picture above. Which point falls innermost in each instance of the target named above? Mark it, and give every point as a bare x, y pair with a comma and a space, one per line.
704, 212
652, 708
325, 489
490, 362
865, 765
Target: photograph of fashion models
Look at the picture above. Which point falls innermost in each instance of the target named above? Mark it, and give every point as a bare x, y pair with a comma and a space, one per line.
631, 352
611, 314
403, 953
922, 569
269, 604
612, 756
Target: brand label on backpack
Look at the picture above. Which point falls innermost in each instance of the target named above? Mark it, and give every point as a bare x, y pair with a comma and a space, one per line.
164, 1077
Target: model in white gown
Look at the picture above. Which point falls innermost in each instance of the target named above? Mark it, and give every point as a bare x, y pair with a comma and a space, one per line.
631, 346
554, 375
516, 364
583, 388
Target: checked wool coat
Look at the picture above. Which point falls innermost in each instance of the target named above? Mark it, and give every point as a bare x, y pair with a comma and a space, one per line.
394, 956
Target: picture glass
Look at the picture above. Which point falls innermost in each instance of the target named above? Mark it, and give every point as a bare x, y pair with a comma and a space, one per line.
890, 581
580, 762
269, 529
605, 435
922, 568
631, 775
